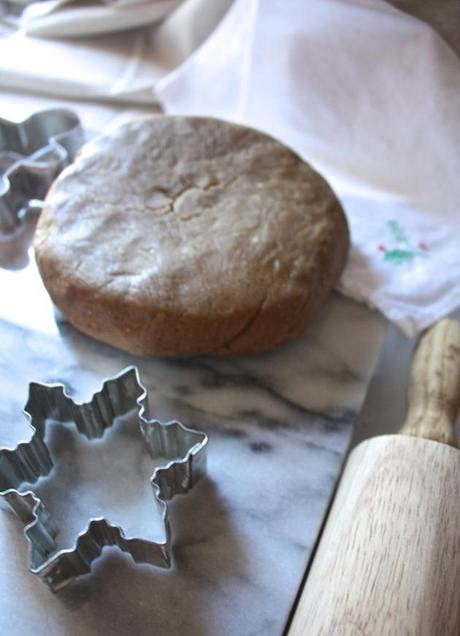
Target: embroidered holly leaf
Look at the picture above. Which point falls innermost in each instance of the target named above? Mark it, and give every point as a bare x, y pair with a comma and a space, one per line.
397, 256
403, 252
397, 231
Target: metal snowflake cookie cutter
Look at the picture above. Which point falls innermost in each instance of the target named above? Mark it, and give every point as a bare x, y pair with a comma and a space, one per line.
183, 447
32, 153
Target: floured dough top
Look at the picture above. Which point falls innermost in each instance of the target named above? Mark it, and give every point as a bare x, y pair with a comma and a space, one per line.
191, 219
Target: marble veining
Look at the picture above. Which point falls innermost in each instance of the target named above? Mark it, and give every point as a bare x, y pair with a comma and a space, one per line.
279, 425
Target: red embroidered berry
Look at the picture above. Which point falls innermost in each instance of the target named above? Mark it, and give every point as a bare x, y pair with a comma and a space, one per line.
382, 248
423, 246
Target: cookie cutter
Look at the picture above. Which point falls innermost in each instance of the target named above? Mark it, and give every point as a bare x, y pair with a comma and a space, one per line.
32, 153
183, 447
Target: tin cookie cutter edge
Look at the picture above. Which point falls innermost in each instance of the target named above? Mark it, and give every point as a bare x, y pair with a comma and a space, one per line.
32, 154
185, 448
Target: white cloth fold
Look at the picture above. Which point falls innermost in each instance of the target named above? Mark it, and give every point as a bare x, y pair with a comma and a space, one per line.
67, 18
122, 67
371, 97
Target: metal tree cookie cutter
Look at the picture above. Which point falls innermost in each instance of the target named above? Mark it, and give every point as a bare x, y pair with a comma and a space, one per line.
184, 448
32, 153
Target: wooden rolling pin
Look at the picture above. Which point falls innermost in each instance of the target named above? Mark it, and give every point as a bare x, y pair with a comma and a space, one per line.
388, 562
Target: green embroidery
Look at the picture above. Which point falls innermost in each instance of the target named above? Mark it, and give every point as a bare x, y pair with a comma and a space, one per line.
398, 256
397, 231
402, 252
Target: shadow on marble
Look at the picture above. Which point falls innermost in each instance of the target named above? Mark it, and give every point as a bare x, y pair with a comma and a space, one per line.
155, 601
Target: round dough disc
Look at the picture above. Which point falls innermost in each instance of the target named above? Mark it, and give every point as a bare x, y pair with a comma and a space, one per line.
176, 236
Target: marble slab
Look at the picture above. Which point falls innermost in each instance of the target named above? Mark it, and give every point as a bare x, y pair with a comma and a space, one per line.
278, 424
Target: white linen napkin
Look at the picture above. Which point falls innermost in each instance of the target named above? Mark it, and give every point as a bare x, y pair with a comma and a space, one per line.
121, 67
369, 96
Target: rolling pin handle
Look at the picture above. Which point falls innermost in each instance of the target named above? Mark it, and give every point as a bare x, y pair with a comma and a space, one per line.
434, 385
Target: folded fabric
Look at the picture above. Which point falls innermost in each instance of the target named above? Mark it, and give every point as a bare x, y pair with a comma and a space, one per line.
118, 68
67, 18
369, 96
